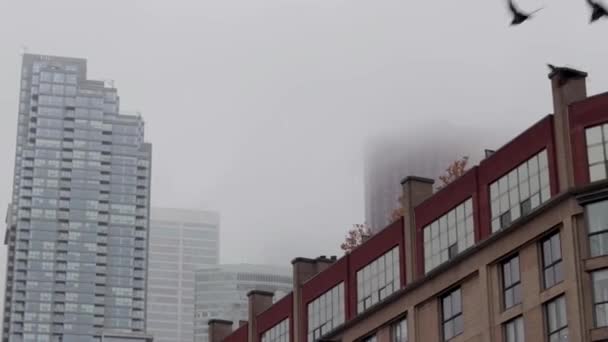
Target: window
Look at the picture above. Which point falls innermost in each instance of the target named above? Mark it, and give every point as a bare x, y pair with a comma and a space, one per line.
552, 261
399, 331
597, 224
378, 279
371, 338
278, 333
514, 330
520, 191
452, 320
511, 284
326, 312
600, 297
557, 321
596, 151
449, 235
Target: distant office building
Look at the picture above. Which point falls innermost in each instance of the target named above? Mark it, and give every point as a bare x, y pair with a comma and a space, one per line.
77, 229
125, 337
180, 242
221, 292
387, 160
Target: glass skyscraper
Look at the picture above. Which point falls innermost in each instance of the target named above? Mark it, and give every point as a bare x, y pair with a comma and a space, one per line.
221, 292
77, 229
180, 242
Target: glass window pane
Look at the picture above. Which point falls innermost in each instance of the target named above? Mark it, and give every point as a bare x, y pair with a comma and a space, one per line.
597, 172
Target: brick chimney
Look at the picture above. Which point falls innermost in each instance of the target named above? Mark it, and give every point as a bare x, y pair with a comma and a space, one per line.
219, 329
415, 191
259, 301
568, 86
303, 270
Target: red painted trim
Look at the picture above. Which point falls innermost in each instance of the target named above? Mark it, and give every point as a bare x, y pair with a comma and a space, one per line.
475, 183
440, 204
321, 283
587, 113
276, 314
239, 335
376, 246
530, 142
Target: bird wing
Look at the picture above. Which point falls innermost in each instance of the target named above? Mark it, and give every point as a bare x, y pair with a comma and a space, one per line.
591, 3
514, 9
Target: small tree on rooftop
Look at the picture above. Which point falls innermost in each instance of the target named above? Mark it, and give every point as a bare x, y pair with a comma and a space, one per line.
456, 169
355, 237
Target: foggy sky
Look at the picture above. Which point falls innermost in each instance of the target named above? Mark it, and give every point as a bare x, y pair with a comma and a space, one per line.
260, 108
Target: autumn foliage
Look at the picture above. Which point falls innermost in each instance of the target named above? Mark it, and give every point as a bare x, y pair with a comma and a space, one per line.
355, 237
455, 170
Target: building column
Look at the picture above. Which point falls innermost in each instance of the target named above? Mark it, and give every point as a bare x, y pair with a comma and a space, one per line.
219, 329
567, 86
259, 301
415, 191
303, 270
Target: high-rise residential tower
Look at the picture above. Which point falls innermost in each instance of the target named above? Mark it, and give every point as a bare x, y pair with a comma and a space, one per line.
180, 242
221, 292
77, 229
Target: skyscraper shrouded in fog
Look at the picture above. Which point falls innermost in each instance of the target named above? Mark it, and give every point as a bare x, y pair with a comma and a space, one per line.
221, 292
180, 242
77, 228
391, 157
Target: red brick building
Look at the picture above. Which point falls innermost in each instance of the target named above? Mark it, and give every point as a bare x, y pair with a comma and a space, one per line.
514, 250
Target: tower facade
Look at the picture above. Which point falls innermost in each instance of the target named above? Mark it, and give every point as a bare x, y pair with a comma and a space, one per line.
180, 242
77, 228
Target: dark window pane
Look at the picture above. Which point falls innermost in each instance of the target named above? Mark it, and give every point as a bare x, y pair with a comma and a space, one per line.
549, 280
547, 259
556, 252
458, 325
452, 251
505, 219
515, 269
517, 294
526, 207
456, 303
447, 307
506, 267
559, 276
448, 330
509, 298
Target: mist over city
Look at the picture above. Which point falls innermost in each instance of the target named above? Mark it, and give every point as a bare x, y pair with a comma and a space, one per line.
274, 126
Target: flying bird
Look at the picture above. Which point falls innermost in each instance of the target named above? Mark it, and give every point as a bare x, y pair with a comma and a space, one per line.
518, 15
598, 10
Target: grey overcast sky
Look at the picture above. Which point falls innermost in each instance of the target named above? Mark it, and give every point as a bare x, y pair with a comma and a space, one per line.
259, 108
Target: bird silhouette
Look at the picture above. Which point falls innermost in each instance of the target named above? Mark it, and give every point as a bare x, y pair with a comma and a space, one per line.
518, 15
598, 10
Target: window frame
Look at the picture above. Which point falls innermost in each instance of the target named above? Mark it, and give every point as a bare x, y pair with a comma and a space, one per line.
335, 318
449, 235
278, 332
514, 320
554, 300
454, 316
373, 337
591, 234
514, 286
388, 263
554, 262
602, 127
397, 324
595, 303
522, 187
